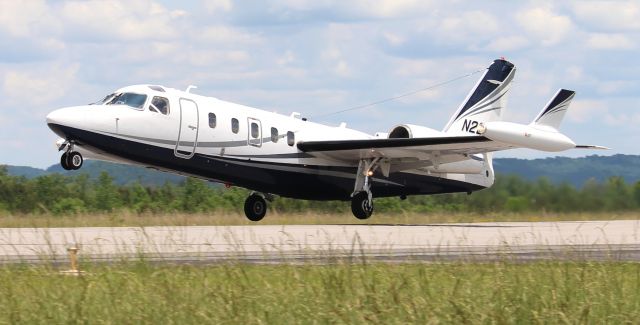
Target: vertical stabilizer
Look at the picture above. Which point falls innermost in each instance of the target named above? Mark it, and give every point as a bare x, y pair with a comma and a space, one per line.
553, 113
486, 101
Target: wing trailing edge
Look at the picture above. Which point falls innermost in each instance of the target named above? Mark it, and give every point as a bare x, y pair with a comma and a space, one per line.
336, 145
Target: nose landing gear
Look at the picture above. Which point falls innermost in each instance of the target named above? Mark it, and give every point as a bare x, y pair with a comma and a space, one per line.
70, 160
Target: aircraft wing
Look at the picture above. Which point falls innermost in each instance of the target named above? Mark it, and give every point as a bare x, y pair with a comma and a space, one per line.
420, 148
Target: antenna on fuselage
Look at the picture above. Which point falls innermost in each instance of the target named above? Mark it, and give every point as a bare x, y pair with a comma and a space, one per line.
190, 87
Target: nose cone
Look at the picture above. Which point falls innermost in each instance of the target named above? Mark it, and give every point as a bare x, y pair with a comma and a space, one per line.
56, 117
65, 118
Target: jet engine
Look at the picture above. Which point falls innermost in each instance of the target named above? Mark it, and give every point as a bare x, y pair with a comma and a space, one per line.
408, 131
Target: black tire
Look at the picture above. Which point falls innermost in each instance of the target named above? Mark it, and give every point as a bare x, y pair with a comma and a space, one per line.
64, 161
361, 207
74, 160
255, 207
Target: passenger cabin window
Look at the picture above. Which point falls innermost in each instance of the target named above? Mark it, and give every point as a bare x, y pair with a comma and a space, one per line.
255, 130
212, 120
235, 125
274, 135
129, 99
159, 105
291, 138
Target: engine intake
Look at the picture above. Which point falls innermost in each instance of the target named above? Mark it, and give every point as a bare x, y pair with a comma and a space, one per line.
408, 131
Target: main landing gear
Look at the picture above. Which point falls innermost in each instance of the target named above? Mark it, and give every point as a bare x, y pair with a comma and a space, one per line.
70, 159
362, 198
255, 206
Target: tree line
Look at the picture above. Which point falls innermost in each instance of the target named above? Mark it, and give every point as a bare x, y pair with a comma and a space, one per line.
58, 194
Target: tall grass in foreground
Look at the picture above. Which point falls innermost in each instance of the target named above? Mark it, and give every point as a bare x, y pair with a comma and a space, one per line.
217, 218
545, 292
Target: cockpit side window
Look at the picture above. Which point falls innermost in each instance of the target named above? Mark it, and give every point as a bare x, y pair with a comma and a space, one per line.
105, 100
159, 105
129, 99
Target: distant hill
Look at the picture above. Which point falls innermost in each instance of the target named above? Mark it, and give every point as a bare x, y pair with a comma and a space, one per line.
122, 174
573, 170
559, 169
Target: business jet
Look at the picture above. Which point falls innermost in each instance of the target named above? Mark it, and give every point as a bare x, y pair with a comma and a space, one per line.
279, 155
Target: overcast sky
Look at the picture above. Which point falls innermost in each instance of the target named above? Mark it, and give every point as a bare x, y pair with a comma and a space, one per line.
318, 56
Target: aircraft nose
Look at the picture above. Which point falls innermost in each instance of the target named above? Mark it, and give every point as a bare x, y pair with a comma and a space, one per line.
55, 117
64, 118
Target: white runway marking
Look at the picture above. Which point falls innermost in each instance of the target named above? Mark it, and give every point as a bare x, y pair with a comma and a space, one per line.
478, 241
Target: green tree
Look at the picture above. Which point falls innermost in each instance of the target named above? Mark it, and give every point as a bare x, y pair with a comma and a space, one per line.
196, 196
617, 194
68, 205
139, 199
636, 193
107, 195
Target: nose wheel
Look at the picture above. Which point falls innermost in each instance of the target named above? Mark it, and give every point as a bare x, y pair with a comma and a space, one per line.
71, 160
255, 207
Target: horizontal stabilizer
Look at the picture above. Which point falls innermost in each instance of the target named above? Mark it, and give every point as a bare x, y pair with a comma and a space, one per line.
588, 146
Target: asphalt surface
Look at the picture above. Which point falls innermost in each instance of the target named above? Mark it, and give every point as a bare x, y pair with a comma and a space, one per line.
519, 241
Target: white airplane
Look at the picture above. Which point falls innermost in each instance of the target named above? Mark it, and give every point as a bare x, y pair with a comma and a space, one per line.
273, 154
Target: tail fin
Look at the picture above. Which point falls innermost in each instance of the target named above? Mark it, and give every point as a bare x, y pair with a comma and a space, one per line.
486, 101
555, 109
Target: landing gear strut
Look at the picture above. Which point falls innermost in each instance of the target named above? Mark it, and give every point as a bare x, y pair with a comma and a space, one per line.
255, 207
70, 160
362, 198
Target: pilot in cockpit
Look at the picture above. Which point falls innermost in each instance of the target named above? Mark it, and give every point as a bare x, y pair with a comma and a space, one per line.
160, 104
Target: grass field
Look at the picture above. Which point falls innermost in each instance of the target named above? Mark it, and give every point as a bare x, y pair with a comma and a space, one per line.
125, 218
458, 293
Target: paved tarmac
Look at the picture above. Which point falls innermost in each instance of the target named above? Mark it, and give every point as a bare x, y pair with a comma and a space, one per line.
520, 241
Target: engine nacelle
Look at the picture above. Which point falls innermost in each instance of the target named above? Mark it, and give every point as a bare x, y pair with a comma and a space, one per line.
527, 136
409, 131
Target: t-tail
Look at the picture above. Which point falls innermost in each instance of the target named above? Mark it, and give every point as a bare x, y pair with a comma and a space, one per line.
553, 113
486, 102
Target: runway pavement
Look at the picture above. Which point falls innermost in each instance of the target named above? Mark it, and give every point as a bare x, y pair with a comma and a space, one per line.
584, 240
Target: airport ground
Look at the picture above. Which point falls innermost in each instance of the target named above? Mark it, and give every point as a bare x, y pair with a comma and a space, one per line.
408, 268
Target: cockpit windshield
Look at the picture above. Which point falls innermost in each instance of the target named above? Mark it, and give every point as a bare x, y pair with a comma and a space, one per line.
129, 99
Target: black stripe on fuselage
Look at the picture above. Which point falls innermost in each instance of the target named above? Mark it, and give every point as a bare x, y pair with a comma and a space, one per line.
312, 182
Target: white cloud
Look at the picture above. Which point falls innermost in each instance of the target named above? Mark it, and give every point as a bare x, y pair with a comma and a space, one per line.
119, 20
583, 110
609, 15
286, 58
40, 86
544, 25
394, 8
226, 35
508, 43
394, 39
468, 25
602, 41
611, 87
619, 120
25, 18
217, 5
342, 69
316, 56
